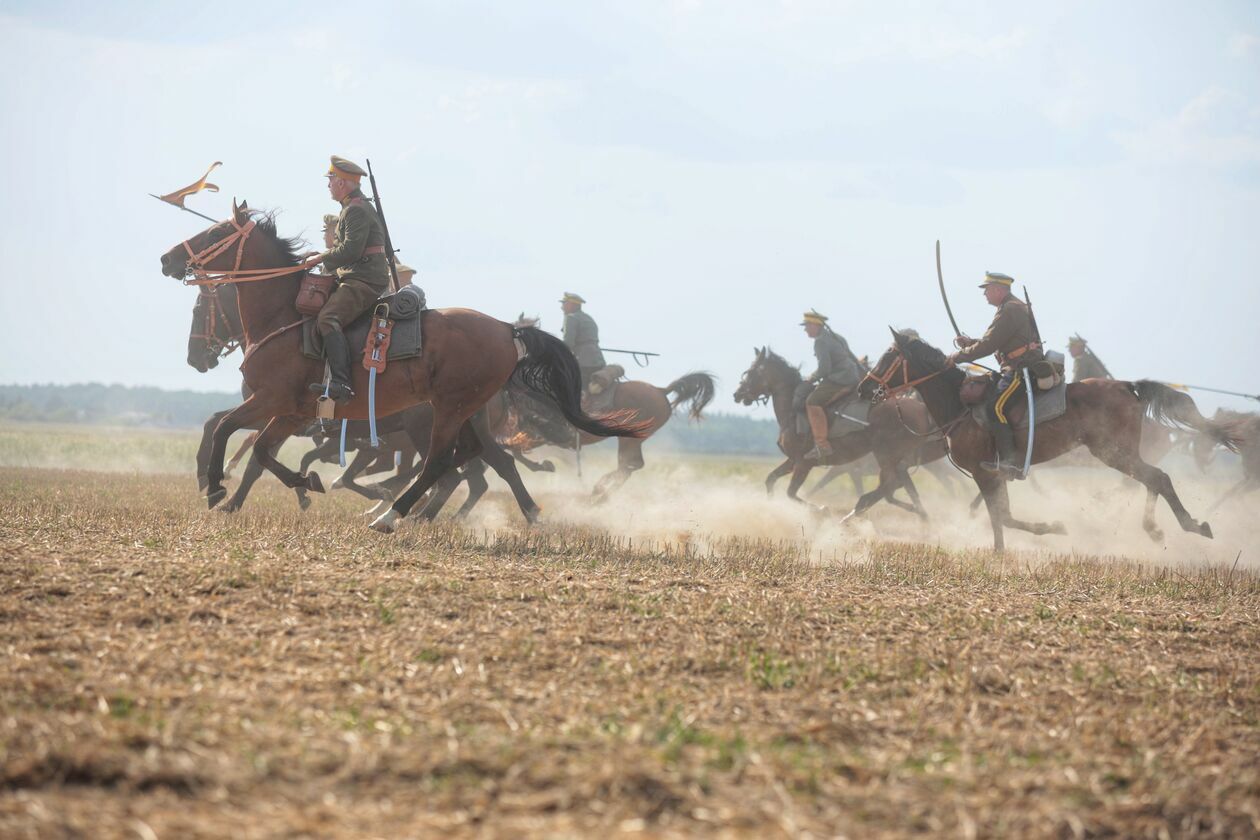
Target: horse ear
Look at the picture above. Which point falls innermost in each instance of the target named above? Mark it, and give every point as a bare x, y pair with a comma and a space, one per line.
897, 337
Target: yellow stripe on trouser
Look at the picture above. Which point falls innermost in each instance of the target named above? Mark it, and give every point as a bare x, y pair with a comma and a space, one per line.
999, 408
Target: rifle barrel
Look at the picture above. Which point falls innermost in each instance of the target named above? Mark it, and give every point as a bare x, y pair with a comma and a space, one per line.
380, 211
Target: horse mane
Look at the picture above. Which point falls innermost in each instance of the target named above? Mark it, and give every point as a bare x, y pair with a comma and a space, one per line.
780, 364
291, 248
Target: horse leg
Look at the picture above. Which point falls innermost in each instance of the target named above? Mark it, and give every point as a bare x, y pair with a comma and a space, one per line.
913, 492
993, 491
505, 467
268, 443
629, 460
247, 413
1128, 461
358, 464
475, 478
1009, 521
329, 451
203, 450
778, 472
800, 471
240, 453
253, 470
439, 460
534, 466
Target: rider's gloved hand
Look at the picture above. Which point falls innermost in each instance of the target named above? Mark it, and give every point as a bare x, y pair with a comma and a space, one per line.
962, 341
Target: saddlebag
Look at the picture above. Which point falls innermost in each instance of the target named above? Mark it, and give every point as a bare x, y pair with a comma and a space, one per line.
314, 292
1046, 374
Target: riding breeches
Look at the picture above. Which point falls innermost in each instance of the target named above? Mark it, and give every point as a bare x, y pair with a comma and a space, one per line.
1008, 387
350, 300
826, 393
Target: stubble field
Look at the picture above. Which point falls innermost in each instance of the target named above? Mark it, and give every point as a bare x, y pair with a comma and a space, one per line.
694, 661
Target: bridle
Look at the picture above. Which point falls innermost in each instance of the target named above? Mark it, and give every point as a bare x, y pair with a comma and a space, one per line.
214, 343
202, 276
902, 365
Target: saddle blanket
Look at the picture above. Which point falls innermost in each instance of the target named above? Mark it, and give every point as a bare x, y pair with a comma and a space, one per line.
1047, 405
844, 418
406, 310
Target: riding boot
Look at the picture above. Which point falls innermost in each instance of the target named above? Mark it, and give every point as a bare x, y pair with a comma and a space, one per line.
1004, 437
337, 349
818, 425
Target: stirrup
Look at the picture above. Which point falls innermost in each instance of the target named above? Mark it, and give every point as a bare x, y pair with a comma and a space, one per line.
1005, 470
338, 391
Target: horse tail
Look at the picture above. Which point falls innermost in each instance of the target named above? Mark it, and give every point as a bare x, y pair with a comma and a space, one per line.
550, 370
1171, 407
697, 387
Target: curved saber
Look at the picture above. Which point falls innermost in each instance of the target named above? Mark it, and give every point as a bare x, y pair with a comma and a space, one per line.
940, 279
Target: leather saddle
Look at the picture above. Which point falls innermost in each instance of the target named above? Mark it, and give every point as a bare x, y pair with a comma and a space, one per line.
406, 307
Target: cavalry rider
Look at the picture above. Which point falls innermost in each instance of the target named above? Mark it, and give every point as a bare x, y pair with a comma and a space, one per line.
581, 335
357, 256
1085, 365
838, 374
1013, 340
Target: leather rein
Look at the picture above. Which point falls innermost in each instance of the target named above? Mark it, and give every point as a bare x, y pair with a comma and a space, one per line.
202, 276
217, 345
884, 391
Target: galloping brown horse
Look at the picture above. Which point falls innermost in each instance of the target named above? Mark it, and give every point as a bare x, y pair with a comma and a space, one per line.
643, 403
898, 436
468, 357
1103, 415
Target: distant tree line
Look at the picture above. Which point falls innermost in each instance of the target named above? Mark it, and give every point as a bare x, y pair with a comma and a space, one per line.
121, 405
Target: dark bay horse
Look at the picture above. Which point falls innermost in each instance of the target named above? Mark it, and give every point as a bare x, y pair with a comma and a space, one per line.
1103, 415
638, 402
468, 357
898, 436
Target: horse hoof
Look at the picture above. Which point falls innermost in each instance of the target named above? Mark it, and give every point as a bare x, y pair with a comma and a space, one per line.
1058, 528
202, 483
386, 523
547, 466
214, 497
533, 515
336, 485
378, 508
1155, 534
313, 483
230, 507
1205, 529
304, 501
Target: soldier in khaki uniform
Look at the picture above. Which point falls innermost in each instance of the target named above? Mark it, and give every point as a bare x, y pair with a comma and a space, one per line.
838, 373
357, 256
1085, 365
1013, 341
581, 335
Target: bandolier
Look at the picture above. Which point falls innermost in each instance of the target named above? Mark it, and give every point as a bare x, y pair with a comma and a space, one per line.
357, 257
1012, 339
581, 335
837, 375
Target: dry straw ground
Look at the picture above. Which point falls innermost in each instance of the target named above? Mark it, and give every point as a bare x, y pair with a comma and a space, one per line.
173, 673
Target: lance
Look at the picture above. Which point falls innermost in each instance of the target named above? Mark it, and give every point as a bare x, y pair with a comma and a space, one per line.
380, 211
940, 279
186, 209
636, 354
1181, 387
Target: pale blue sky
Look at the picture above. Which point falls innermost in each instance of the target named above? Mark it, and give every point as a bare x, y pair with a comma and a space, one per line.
701, 172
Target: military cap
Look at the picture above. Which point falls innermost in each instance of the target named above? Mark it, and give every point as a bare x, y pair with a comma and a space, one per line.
569, 297
813, 316
347, 169
403, 268
1076, 339
997, 278
910, 332
330, 221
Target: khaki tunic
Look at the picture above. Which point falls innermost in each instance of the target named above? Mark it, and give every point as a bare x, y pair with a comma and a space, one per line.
362, 277
581, 335
1010, 337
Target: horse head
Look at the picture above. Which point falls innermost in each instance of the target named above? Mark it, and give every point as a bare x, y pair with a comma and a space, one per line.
768, 373
216, 327
200, 249
908, 359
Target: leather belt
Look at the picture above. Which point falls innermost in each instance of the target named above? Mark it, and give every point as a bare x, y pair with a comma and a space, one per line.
373, 249
1019, 351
